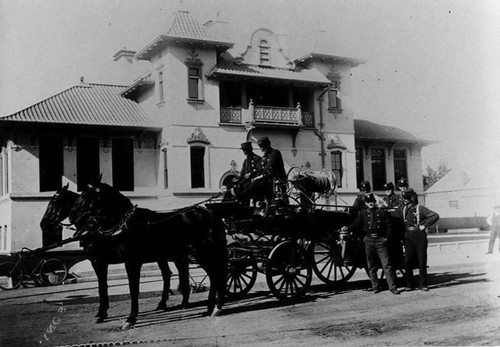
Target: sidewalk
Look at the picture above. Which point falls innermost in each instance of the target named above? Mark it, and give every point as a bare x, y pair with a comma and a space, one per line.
469, 258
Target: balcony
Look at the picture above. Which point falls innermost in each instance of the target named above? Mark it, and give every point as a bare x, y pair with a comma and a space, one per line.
290, 117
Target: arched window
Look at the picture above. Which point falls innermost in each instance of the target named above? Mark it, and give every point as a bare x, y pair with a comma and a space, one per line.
264, 52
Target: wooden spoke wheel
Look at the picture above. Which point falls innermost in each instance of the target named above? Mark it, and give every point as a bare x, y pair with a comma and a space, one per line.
11, 275
242, 274
288, 271
328, 264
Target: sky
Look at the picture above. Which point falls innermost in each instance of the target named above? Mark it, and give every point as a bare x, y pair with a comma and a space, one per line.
432, 67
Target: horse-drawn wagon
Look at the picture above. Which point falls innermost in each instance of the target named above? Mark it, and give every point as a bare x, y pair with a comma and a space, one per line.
293, 238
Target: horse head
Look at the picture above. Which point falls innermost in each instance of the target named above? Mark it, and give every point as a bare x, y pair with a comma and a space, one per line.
99, 207
58, 209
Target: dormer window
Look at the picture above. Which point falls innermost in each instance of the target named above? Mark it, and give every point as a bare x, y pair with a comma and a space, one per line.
264, 52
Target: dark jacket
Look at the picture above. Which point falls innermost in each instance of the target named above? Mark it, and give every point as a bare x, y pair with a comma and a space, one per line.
408, 213
372, 221
393, 202
252, 165
272, 165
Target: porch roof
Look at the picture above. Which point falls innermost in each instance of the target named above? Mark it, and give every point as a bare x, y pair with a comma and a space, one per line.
234, 68
368, 131
85, 104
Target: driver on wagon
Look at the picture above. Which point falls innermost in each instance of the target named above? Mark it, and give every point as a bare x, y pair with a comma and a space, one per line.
272, 167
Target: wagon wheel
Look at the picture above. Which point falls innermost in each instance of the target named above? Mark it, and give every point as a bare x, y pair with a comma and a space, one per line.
242, 274
288, 271
328, 264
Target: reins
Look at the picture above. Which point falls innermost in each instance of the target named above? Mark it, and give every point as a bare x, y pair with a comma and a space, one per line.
184, 209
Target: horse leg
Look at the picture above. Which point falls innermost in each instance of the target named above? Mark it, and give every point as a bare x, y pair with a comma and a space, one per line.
101, 271
182, 264
133, 269
166, 274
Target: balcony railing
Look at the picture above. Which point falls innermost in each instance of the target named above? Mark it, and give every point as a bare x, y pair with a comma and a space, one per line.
230, 115
279, 116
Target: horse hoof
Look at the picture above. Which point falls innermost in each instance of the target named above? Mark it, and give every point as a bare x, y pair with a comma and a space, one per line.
161, 307
127, 326
216, 312
185, 305
99, 320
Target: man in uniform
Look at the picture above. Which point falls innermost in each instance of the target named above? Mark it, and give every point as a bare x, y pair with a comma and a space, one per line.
392, 202
251, 168
272, 167
403, 184
375, 225
364, 189
417, 219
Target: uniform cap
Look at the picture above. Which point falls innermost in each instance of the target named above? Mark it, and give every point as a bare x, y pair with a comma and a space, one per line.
246, 145
264, 141
370, 198
408, 194
389, 186
403, 182
365, 185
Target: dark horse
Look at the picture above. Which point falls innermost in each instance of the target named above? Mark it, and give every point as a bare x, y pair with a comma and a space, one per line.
144, 236
104, 250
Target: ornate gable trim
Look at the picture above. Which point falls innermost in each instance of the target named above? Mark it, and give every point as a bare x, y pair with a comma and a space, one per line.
198, 137
336, 143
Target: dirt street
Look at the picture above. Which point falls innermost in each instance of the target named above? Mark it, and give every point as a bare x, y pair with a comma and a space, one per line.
462, 308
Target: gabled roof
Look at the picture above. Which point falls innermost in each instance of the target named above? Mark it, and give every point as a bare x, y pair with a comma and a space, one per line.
230, 67
369, 131
184, 28
85, 104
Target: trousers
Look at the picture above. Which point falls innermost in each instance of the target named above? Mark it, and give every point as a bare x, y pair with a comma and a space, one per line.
376, 249
416, 253
495, 232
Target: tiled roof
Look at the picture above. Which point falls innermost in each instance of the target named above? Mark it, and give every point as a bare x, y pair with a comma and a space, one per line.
232, 68
366, 130
184, 25
85, 104
184, 28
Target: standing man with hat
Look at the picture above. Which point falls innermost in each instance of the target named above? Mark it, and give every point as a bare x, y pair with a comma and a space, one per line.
392, 202
494, 221
375, 225
417, 219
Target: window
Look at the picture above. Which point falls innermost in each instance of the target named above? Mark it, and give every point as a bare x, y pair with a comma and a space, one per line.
194, 74
400, 164
87, 161
360, 172
197, 167
378, 168
454, 204
51, 163
165, 168
161, 97
337, 167
122, 161
264, 52
333, 95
